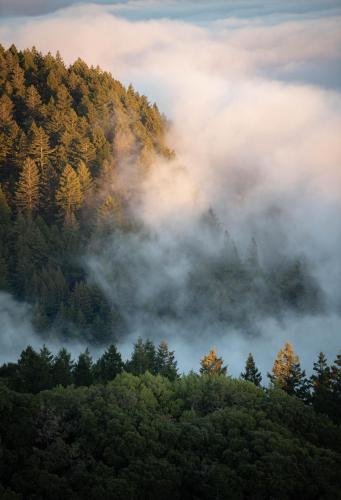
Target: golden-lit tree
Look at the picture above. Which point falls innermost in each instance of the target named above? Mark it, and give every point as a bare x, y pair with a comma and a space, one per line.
27, 192
286, 371
212, 365
69, 195
85, 178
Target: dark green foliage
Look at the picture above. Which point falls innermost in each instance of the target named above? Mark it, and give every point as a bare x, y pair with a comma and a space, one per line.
62, 368
34, 370
251, 373
83, 370
109, 365
166, 364
150, 438
143, 358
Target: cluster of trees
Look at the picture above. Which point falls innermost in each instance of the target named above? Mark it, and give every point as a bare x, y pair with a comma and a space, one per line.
64, 132
147, 438
38, 371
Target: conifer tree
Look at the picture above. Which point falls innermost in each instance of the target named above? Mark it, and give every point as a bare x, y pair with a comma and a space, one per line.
34, 370
143, 358
39, 148
27, 192
83, 369
109, 365
69, 194
287, 374
336, 386
85, 179
32, 100
166, 364
251, 373
321, 384
62, 368
212, 365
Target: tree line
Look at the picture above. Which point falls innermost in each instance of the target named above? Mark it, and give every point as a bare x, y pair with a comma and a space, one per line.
38, 371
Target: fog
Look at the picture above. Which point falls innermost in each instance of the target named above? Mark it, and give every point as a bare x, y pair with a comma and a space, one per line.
253, 95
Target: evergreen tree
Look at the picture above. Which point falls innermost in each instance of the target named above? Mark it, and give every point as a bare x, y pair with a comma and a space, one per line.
34, 370
27, 192
166, 364
287, 374
251, 373
108, 365
321, 384
212, 365
85, 179
336, 388
143, 358
62, 368
39, 148
69, 194
83, 369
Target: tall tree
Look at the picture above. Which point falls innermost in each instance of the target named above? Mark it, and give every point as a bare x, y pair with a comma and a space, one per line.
336, 388
69, 195
83, 369
212, 365
85, 178
287, 374
39, 148
109, 365
27, 192
321, 384
34, 371
62, 368
166, 364
143, 357
251, 373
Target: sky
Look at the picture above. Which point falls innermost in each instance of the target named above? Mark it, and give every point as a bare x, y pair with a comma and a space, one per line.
253, 91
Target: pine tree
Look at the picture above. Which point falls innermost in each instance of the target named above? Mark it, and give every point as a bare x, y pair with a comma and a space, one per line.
166, 364
143, 358
27, 192
69, 194
33, 99
85, 179
39, 148
251, 373
321, 384
83, 369
62, 368
212, 365
109, 365
34, 370
336, 388
287, 373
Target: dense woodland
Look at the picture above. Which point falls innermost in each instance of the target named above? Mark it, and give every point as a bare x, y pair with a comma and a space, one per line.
75, 147
139, 430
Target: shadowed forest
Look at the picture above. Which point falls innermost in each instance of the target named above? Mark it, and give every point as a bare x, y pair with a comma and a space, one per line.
110, 428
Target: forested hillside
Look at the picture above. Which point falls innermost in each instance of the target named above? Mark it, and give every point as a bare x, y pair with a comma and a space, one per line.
75, 147
62, 134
